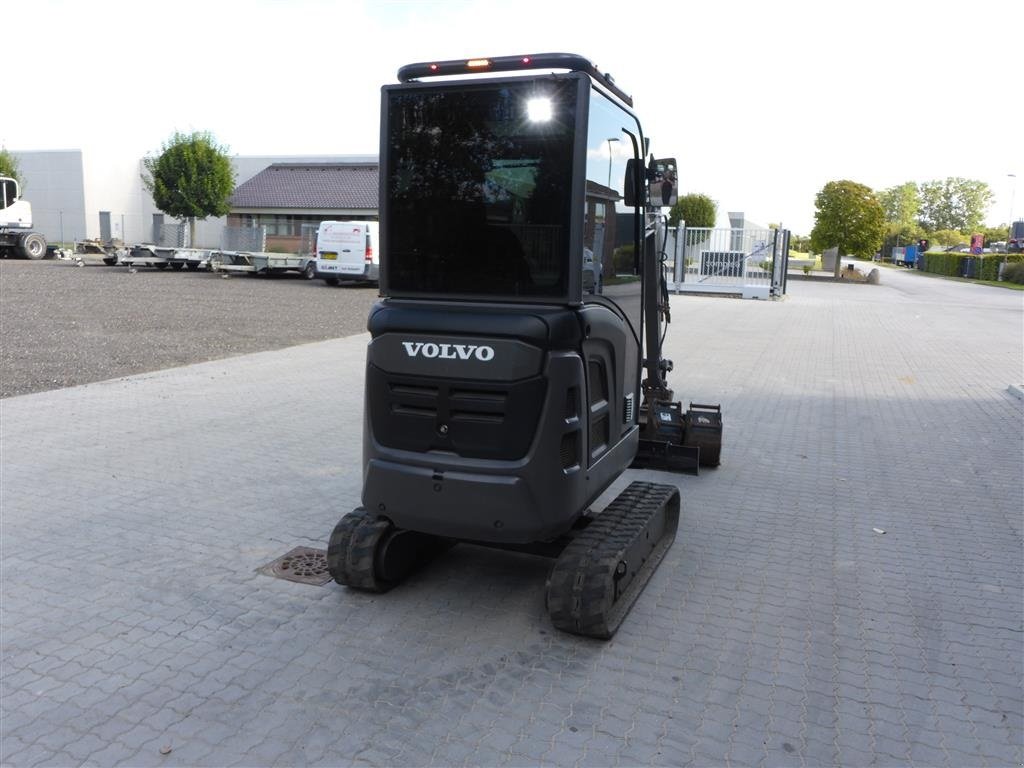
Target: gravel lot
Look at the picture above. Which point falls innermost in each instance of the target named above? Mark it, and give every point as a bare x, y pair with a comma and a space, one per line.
62, 325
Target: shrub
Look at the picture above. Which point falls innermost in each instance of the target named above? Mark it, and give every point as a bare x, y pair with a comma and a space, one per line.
1014, 273
622, 260
942, 263
989, 267
952, 264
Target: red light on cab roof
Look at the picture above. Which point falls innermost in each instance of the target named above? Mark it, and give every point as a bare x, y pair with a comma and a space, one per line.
526, 59
433, 67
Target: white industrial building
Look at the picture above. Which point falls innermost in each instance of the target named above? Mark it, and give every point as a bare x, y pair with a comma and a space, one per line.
82, 195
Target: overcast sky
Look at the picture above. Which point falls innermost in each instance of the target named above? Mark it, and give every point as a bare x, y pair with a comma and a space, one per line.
761, 102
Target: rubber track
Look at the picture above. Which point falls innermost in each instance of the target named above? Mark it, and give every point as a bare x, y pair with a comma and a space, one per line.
581, 589
351, 551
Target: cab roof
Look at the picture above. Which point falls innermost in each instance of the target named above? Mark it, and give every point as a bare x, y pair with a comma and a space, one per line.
545, 61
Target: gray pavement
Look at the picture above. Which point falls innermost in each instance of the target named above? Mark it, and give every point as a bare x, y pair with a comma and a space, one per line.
781, 629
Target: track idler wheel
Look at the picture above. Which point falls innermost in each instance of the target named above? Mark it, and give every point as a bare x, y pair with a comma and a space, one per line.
600, 575
373, 555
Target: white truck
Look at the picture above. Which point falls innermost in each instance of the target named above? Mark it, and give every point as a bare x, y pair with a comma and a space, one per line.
348, 250
16, 235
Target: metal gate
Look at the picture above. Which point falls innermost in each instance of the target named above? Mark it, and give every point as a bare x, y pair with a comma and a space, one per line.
307, 246
244, 239
748, 262
171, 234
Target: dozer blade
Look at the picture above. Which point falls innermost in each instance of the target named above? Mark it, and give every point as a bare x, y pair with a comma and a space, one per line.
678, 441
602, 572
667, 456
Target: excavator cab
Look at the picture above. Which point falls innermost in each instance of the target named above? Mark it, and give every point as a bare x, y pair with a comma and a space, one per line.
502, 395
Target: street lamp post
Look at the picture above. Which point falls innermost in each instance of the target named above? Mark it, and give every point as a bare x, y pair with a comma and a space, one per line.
1013, 189
610, 160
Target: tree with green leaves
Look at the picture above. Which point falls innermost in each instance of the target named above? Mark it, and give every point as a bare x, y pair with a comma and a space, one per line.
994, 234
954, 203
947, 237
849, 216
696, 210
191, 178
901, 204
799, 243
9, 166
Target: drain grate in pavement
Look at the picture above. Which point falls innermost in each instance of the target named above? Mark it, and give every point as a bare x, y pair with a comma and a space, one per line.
303, 564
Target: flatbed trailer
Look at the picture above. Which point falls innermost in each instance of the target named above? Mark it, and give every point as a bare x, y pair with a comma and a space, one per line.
111, 252
161, 257
262, 263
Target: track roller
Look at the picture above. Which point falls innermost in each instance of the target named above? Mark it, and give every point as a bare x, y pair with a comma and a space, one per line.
373, 555
602, 572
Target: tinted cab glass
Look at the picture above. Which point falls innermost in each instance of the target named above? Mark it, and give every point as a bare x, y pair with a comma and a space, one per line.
478, 188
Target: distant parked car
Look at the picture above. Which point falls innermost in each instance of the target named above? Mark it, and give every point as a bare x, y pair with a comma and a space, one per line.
959, 248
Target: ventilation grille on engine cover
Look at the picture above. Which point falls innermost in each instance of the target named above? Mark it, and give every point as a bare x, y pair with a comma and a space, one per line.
463, 404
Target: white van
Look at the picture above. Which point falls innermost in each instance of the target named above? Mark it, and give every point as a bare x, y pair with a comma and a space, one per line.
348, 250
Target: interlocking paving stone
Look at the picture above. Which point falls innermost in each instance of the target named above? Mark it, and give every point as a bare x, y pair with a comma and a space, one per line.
779, 630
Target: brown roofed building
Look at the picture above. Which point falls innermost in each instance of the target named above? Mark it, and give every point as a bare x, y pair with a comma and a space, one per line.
599, 226
291, 199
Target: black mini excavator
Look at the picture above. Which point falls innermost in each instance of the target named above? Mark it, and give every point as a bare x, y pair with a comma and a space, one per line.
515, 366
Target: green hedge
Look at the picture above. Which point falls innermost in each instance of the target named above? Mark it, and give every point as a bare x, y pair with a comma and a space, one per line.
1014, 273
986, 267
622, 260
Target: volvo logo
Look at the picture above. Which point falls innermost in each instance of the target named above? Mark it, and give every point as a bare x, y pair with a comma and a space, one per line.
448, 351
